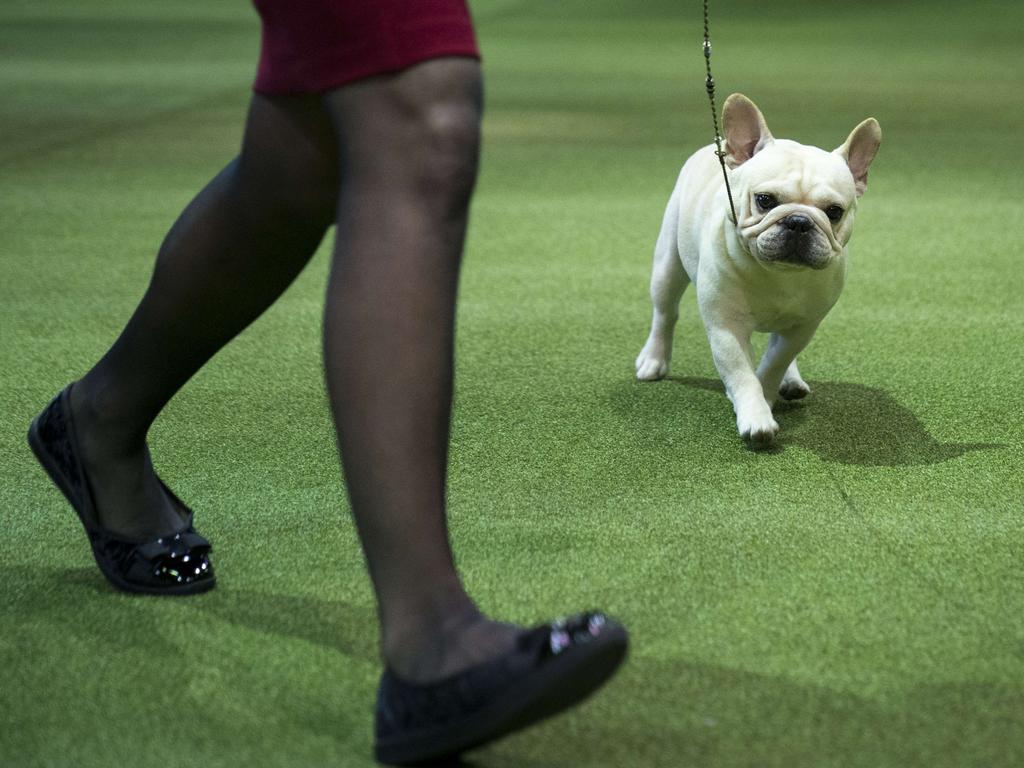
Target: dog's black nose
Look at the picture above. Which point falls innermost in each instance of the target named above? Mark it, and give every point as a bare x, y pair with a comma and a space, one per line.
797, 223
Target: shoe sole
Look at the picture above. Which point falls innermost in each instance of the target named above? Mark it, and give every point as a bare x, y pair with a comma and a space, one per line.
44, 458
561, 683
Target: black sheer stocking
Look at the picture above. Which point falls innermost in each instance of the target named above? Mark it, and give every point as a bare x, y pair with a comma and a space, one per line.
408, 151
409, 148
232, 252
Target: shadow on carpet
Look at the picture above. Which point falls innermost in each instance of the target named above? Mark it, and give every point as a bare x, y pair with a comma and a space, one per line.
690, 714
840, 422
99, 610
330, 624
659, 712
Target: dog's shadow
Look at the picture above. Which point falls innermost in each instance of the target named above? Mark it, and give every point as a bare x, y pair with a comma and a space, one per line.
840, 422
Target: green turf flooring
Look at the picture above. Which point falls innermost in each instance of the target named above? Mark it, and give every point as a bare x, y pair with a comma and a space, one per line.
852, 599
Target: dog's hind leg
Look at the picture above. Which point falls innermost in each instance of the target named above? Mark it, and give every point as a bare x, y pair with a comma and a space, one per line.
777, 372
668, 281
793, 387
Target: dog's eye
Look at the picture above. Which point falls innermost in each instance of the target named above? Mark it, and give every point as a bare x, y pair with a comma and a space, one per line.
834, 212
765, 202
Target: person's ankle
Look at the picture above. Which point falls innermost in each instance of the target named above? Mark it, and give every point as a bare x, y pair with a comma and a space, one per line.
446, 646
415, 642
96, 421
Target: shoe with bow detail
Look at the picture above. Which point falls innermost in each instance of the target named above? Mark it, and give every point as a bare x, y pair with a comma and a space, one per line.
551, 668
175, 564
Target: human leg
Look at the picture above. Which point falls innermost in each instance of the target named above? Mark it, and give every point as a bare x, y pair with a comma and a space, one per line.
233, 251
455, 679
408, 150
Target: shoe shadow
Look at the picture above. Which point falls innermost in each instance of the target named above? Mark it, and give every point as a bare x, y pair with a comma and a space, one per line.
840, 422
52, 595
82, 608
330, 624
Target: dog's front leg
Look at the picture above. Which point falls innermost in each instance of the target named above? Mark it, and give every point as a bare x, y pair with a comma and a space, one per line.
730, 347
780, 357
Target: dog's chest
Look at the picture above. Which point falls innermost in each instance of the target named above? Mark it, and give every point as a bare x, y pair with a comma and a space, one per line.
774, 313
788, 300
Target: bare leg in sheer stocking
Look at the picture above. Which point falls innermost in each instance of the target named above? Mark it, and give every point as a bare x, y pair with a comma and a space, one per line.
406, 146
408, 149
233, 251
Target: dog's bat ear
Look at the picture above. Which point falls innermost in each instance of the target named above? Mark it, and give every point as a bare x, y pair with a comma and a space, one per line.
860, 149
746, 132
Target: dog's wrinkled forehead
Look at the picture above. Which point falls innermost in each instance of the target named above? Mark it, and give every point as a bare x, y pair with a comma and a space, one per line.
801, 172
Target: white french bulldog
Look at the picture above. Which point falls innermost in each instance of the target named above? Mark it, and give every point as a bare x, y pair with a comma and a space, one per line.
780, 270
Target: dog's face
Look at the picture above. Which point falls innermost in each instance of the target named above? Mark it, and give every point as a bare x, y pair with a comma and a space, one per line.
795, 203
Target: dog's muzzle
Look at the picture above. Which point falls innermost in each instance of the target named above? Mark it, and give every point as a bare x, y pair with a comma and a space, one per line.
795, 240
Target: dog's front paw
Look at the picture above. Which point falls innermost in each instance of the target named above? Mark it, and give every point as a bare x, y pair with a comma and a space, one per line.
758, 430
651, 366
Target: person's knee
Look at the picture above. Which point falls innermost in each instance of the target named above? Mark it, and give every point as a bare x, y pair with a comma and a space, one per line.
443, 102
414, 132
448, 147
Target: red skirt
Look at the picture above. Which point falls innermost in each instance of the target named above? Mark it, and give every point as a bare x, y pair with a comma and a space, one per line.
311, 46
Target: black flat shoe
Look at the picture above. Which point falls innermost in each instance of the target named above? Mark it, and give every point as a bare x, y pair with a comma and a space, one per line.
176, 564
551, 668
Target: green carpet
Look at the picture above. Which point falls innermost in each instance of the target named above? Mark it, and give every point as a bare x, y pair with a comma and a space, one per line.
852, 599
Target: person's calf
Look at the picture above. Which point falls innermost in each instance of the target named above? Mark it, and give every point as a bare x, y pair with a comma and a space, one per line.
231, 253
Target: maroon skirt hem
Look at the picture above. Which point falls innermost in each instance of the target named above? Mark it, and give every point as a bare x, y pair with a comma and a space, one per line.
312, 46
